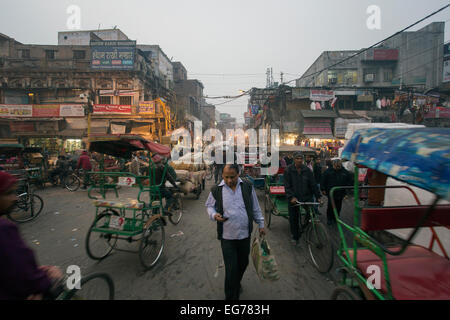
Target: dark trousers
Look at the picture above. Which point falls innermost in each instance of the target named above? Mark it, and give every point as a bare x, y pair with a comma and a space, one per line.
217, 174
294, 221
235, 255
165, 193
338, 203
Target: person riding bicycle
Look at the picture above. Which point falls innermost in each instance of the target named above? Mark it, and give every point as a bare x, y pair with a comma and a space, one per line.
170, 176
20, 276
61, 170
300, 186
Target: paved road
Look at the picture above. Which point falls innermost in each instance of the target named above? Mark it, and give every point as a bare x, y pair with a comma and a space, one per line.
191, 266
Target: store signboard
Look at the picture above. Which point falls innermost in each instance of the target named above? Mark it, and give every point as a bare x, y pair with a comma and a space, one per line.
118, 129
317, 126
71, 110
16, 110
321, 95
300, 93
118, 55
111, 109
438, 113
146, 107
45, 110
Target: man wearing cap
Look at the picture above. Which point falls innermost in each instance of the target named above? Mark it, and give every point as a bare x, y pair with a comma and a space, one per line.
301, 186
170, 175
20, 276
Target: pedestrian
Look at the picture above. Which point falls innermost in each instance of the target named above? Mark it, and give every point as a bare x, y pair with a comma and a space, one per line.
301, 186
234, 205
85, 163
334, 177
20, 276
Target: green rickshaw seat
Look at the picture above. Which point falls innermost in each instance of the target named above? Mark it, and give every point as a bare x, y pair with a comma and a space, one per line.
125, 204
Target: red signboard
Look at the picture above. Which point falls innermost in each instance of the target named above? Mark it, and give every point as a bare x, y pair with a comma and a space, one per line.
45, 110
111, 109
385, 54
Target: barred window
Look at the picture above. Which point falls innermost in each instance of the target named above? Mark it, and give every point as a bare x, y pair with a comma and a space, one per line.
79, 54
126, 100
104, 100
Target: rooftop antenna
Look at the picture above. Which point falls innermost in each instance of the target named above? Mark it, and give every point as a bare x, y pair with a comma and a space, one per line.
99, 26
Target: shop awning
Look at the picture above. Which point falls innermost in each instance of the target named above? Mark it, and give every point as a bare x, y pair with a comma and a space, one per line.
318, 114
317, 127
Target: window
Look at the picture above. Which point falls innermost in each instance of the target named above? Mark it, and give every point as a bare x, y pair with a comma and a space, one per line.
104, 100
370, 75
387, 75
351, 77
79, 54
25, 53
332, 77
126, 100
50, 54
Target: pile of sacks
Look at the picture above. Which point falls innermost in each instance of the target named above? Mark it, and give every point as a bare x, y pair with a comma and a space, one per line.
190, 180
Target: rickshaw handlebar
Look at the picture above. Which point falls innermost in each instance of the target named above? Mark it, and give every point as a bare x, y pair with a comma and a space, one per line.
298, 203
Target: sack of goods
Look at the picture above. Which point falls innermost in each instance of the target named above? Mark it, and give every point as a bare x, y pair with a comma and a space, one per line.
263, 260
198, 176
183, 175
186, 187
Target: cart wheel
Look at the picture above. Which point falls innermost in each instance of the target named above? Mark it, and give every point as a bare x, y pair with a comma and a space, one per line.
97, 286
72, 183
100, 244
344, 293
28, 207
320, 247
267, 211
176, 209
152, 244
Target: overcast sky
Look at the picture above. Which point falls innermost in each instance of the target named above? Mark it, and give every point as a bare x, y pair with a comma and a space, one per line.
238, 39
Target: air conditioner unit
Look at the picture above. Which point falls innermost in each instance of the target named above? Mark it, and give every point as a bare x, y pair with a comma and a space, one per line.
370, 77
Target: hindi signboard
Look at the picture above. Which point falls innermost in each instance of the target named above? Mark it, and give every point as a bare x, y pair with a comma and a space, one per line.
111, 109
16, 110
71, 110
45, 110
321, 95
118, 55
147, 107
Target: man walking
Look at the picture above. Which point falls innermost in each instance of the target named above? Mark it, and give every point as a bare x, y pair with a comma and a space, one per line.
301, 186
234, 205
333, 177
85, 163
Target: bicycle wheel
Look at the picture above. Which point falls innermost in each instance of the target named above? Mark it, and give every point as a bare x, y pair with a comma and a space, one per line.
72, 183
97, 286
176, 209
267, 211
100, 244
344, 293
320, 247
27, 208
152, 244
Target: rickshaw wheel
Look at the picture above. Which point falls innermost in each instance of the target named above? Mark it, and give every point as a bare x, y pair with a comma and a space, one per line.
176, 209
97, 286
72, 183
27, 209
267, 211
152, 244
344, 293
109, 240
320, 247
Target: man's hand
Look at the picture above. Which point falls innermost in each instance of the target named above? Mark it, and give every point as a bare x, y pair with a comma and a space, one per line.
218, 217
294, 200
262, 232
324, 193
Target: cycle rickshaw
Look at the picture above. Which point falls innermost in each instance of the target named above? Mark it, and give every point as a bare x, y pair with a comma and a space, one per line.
29, 205
131, 220
406, 270
275, 203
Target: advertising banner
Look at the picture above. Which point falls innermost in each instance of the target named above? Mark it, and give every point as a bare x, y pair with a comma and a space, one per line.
17, 110
118, 129
118, 55
146, 107
446, 71
111, 109
45, 110
321, 95
71, 110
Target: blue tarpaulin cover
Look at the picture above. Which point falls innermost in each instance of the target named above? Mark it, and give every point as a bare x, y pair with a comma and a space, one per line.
420, 157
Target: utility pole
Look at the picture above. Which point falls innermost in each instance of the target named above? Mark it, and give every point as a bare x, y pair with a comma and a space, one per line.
282, 77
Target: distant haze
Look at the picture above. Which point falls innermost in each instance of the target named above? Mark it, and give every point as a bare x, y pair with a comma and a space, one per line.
240, 39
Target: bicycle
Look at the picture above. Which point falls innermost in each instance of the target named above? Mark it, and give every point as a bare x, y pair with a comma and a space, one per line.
96, 286
28, 205
71, 181
319, 243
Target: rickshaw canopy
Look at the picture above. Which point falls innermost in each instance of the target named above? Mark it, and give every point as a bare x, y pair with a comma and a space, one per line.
122, 145
419, 156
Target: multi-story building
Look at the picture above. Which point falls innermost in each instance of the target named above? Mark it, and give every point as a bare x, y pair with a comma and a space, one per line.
46, 90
